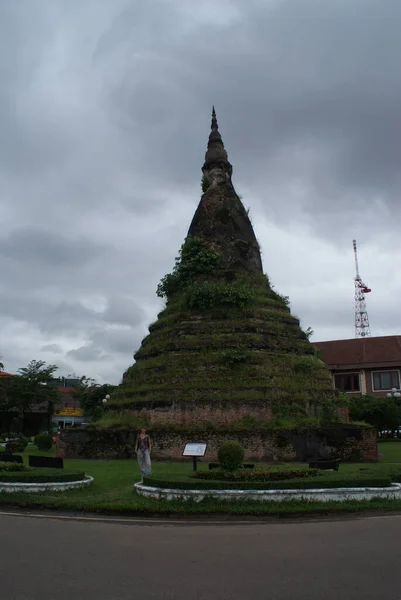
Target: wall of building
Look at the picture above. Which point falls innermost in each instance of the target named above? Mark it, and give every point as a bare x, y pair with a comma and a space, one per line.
366, 380
369, 382
352, 442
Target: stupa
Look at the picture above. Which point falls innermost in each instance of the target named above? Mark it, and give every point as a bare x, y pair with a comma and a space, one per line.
226, 350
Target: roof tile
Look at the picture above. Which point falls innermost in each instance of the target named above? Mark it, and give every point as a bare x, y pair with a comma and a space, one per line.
361, 351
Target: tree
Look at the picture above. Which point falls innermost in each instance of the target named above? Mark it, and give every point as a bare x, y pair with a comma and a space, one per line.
382, 413
2, 389
309, 332
30, 387
90, 396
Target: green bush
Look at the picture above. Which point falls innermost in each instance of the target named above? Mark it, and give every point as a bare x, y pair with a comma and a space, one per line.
305, 365
10, 467
43, 441
205, 183
257, 474
196, 258
209, 295
16, 443
97, 413
231, 456
382, 413
233, 356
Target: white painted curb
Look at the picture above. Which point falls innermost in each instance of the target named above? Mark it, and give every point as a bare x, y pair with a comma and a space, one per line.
53, 486
321, 495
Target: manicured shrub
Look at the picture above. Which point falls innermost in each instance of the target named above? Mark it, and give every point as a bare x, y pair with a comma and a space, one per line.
231, 456
16, 443
257, 474
42, 475
43, 441
326, 480
11, 467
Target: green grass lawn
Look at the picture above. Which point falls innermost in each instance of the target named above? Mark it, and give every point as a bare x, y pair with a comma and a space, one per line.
389, 452
112, 491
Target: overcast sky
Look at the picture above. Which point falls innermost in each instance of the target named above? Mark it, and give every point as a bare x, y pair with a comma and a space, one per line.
105, 113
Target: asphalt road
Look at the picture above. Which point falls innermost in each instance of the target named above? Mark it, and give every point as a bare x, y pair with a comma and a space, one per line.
47, 559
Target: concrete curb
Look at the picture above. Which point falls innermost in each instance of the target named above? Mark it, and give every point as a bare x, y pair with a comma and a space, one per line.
320, 495
6, 487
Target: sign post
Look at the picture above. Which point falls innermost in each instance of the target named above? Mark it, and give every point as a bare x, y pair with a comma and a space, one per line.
195, 450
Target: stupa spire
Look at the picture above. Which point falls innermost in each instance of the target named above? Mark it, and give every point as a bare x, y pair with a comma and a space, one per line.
216, 155
214, 119
221, 218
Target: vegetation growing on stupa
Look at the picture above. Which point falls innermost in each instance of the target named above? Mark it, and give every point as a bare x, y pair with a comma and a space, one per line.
222, 343
226, 342
199, 275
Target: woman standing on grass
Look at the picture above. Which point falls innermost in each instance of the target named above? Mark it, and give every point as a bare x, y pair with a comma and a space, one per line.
142, 449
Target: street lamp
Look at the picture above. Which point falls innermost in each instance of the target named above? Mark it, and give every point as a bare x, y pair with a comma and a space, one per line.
396, 395
393, 394
106, 398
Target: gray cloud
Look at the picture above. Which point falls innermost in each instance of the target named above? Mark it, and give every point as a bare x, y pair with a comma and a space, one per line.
33, 246
123, 311
87, 353
104, 113
53, 348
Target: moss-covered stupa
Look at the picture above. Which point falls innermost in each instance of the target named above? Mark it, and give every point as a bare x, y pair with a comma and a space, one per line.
226, 349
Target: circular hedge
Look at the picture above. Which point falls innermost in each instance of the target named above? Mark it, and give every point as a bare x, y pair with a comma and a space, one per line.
332, 480
42, 475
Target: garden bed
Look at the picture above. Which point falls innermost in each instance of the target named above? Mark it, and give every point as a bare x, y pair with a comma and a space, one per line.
112, 492
16, 477
269, 484
343, 494
43, 475
328, 480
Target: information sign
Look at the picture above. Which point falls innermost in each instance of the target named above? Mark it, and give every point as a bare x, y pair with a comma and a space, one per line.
197, 449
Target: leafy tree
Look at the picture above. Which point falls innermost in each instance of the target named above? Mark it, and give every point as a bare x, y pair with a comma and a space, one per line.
30, 387
2, 388
37, 372
382, 413
90, 396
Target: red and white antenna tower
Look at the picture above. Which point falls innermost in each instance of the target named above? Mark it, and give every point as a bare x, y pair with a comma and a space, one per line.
362, 327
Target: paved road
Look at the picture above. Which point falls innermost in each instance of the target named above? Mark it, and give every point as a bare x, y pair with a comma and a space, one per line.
48, 559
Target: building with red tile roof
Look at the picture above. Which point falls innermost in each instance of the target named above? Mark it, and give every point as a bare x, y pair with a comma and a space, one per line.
370, 365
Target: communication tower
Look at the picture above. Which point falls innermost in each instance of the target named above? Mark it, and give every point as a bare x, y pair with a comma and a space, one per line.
362, 327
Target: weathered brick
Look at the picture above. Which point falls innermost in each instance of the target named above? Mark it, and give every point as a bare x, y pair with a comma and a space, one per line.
259, 445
